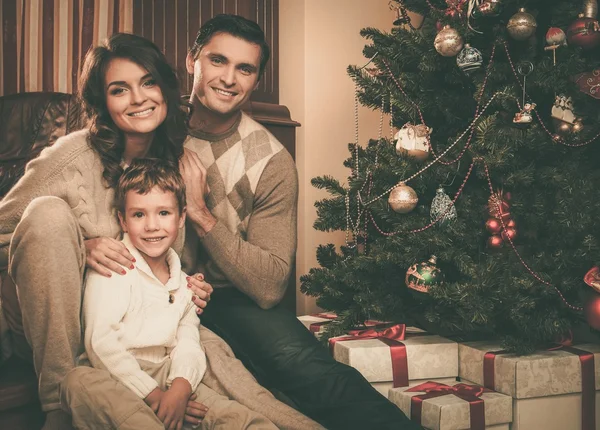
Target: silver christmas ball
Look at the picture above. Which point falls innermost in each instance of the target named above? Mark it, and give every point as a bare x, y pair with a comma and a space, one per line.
469, 59
448, 42
521, 25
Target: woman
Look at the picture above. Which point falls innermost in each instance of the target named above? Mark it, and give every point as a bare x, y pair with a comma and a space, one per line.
59, 218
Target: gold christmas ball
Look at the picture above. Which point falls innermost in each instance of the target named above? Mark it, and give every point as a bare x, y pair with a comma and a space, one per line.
577, 126
521, 25
448, 42
403, 199
564, 128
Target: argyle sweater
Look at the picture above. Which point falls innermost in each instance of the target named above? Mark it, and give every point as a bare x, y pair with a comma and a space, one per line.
254, 195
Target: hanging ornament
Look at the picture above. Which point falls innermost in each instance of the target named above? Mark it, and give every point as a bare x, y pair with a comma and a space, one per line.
555, 38
592, 278
489, 8
521, 25
422, 276
413, 141
591, 310
589, 83
493, 225
523, 118
455, 8
584, 32
565, 121
403, 199
498, 206
469, 59
509, 234
442, 206
590, 8
402, 17
495, 242
448, 42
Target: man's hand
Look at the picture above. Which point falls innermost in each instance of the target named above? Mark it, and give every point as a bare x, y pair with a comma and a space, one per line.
106, 255
173, 404
154, 398
194, 411
196, 189
201, 289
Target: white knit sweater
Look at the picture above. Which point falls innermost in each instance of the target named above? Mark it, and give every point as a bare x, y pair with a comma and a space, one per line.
129, 317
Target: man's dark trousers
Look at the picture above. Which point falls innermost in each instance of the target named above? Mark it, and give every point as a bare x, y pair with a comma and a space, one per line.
285, 356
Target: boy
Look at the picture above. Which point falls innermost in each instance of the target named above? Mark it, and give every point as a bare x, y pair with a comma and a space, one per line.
142, 330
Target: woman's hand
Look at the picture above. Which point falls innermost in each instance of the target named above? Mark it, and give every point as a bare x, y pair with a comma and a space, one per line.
106, 255
194, 411
201, 289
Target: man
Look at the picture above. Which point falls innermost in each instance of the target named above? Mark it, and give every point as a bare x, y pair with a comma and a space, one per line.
242, 210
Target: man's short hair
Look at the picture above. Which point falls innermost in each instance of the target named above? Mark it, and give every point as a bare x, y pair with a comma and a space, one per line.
145, 174
237, 26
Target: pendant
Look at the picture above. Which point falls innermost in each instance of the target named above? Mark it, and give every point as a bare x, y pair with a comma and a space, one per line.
171, 298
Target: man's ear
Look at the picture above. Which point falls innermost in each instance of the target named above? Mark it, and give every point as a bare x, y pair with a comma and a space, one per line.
189, 63
122, 221
182, 218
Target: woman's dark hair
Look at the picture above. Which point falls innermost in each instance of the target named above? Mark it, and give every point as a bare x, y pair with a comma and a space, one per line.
105, 137
237, 26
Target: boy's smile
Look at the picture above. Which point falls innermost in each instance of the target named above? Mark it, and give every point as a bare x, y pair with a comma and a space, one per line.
152, 221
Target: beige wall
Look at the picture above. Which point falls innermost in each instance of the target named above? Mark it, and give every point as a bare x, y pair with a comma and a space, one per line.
318, 40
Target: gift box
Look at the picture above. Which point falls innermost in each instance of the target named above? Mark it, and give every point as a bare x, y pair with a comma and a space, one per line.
397, 354
562, 382
315, 322
384, 387
454, 406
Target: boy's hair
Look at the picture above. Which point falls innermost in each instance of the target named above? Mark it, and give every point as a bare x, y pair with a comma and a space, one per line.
237, 26
144, 174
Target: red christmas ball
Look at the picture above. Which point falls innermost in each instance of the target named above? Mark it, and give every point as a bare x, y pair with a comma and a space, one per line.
584, 32
493, 225
509, 233
511, 224
495, 242
591, 310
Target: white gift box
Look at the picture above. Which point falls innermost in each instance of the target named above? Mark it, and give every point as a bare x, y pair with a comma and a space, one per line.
450, 412
428, 357
546, 385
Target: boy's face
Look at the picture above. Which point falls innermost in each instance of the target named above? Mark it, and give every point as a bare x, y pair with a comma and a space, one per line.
225, 73
152, 221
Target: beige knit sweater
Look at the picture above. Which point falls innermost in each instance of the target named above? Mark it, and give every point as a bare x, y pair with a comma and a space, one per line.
72, 171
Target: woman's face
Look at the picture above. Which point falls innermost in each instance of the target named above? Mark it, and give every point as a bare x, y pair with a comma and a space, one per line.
133, 99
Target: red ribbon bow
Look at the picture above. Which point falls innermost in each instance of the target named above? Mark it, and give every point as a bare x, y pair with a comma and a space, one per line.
391, 336
470, 393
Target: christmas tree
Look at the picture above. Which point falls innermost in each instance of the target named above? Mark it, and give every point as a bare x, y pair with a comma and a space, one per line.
481, 216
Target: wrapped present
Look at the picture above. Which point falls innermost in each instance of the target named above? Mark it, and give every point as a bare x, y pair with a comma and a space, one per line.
315, 322
568, 374
455, 406
393, 355
384, 387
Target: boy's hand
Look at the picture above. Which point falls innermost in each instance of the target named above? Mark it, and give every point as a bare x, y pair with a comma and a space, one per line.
171, 410
195, 411
106, 255
201, 289
154, 398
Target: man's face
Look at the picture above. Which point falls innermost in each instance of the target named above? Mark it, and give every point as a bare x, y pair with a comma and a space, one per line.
225, 73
